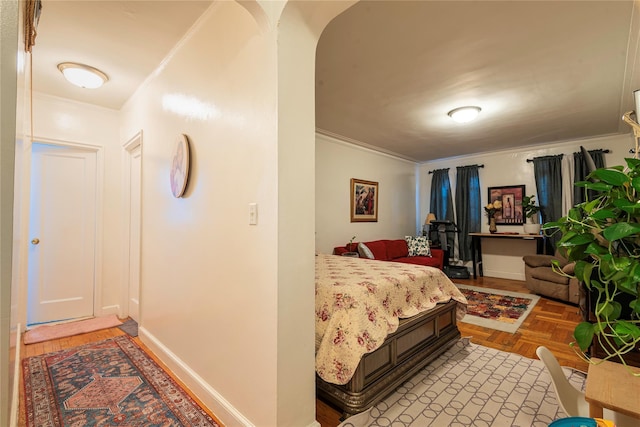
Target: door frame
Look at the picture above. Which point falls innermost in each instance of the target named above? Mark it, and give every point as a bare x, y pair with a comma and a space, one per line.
97, 275
128, 147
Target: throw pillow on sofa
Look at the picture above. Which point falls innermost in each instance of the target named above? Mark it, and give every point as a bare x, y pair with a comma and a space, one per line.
418, 245
364, 251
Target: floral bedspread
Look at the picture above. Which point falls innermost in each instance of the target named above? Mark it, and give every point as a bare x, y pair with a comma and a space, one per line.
360, 301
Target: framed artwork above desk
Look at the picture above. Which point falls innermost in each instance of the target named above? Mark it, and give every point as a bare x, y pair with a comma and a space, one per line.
511, 198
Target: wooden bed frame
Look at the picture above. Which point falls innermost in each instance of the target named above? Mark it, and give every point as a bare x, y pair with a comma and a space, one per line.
416, 343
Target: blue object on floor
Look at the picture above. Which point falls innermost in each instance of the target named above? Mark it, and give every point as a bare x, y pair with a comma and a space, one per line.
574, 422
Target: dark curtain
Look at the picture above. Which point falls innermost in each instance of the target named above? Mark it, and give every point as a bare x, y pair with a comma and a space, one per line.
548, 175
581, 172
468, 208
441, 202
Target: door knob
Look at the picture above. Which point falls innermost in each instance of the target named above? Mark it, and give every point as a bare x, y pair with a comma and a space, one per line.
35, 241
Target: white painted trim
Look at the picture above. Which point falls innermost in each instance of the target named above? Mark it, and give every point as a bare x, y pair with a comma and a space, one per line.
128, 147
344, 140
504, 275
97, 277
213, 400
66, 143
17, 378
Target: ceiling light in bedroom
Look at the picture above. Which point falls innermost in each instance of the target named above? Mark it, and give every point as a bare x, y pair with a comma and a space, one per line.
464, 114
82, 75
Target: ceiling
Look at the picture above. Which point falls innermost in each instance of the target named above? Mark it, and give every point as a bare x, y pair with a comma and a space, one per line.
127, 40
389, 71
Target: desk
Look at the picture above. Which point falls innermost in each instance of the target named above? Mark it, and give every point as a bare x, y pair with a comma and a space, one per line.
476, 246
610, 385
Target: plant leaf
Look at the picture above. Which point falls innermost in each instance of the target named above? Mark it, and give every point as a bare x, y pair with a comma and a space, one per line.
603, 214
598, 186
620, 230
609, 310
632, 162
628, 329
583, 271
611, 176
583, 333
596, 249
579, 239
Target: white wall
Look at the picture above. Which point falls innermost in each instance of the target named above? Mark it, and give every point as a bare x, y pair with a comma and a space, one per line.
216, 292
208, 278
510, 167
336, 163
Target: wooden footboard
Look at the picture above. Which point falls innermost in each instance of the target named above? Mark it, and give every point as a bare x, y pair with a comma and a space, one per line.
417, 342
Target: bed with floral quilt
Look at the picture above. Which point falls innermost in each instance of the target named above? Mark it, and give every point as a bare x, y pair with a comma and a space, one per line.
377, 324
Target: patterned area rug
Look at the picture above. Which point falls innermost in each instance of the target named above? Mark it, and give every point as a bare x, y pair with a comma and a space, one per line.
497, 309
111, 382
472, 385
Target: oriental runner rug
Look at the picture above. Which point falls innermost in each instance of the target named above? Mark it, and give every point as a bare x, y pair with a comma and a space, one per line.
111, 382
497, 309
472, 385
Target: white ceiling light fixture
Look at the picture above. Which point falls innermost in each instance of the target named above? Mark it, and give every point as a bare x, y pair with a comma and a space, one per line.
464, 114
82, 75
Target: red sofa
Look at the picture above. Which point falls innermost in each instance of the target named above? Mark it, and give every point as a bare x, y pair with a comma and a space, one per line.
396, 251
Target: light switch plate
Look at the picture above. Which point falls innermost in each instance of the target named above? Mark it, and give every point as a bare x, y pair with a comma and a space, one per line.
253, 214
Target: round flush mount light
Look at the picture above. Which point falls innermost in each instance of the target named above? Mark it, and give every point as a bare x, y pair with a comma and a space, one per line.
82, 75
464, 114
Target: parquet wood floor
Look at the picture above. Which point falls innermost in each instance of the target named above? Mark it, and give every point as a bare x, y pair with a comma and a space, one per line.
551, 324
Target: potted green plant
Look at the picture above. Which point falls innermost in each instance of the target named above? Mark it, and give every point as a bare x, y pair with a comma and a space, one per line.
602, 237
530, 211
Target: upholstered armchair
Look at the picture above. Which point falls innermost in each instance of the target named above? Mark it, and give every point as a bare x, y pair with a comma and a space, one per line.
543, 280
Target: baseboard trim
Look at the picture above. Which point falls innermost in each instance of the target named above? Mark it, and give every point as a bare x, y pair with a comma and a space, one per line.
504, 275
213, 400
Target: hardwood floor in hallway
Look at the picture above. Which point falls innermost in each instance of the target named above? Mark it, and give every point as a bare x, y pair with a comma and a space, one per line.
77, 340
551, 324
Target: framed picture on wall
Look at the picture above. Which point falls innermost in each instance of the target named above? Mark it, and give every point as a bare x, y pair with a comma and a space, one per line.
180, 166
364, 201
511, 198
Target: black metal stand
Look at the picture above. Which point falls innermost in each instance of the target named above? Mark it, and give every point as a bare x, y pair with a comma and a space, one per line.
443, 233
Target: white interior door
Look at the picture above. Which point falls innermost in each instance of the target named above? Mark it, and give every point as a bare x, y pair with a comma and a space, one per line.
135, 169
62, 228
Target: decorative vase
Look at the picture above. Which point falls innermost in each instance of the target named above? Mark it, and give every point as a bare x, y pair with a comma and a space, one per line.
531, 228
492, 225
